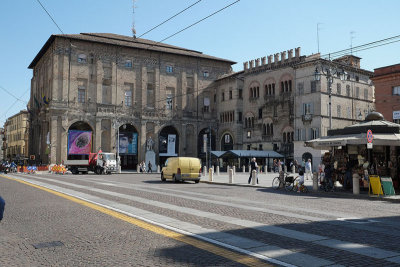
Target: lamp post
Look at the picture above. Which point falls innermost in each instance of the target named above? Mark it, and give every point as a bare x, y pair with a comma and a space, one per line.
329, 71
117, 125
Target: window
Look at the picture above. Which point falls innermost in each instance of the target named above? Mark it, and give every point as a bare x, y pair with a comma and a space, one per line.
313, 86
230, 94
300, 88
365, 94
81, 91
223, 97
396, 90
314, 133
82, 58
128, 63
307, 108
169, 69
128, 98
348, 90
260, 113
215, 98
339, 88
206, 74
357, 78
150, 95
348, 112
240, 93
81, 94
339, 111
240, 116
357, 92
206, 107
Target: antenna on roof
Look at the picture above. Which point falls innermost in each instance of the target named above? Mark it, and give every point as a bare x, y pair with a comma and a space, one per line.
133, 19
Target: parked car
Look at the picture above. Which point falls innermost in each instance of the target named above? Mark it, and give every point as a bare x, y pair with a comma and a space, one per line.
182, 169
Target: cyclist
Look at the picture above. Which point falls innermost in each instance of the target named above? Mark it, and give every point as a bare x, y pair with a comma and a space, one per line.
301, 180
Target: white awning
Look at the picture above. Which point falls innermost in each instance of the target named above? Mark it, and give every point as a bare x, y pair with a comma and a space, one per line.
355, 139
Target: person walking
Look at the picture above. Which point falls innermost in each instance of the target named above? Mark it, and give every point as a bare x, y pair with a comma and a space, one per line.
253, 167
149, 167
308, 168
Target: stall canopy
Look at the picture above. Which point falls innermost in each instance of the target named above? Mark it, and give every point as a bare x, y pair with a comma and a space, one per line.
218, 154
253, 154
385, 133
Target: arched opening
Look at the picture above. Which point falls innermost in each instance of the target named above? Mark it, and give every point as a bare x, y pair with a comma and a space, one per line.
306, 156
203, 144
80, 141
226, 142
168, 144
127, 146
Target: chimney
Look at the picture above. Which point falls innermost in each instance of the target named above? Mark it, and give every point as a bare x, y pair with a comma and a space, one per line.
257, 62
263, 60
290, 54
245, 65
297, 52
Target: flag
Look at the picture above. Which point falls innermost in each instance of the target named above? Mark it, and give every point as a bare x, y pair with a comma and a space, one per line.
36, 102
46, 101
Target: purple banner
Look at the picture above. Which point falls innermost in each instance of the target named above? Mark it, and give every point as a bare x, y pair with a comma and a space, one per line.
79, 142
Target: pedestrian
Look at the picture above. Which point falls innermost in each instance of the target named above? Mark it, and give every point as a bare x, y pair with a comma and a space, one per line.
2, 206
253, 167
150, 167
328, 178
303, 164
308, 168
348, 179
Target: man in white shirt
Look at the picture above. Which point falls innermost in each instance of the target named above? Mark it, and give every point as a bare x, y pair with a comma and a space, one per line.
308, 168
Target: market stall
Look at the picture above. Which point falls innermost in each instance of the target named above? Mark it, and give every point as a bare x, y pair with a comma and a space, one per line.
349, 152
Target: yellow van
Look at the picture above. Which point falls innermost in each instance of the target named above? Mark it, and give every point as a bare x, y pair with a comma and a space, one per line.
182, 169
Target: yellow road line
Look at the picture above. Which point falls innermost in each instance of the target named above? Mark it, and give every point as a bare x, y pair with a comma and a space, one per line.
228, 254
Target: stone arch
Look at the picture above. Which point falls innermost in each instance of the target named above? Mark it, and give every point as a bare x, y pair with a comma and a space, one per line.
168, 143
127, 146
79, 140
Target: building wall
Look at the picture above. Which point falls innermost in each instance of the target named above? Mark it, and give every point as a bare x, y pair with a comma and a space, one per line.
105, 77
16, 128
387, 99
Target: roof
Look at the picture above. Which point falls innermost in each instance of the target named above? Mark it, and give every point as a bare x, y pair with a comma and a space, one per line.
126, 41
254, 154
218, 154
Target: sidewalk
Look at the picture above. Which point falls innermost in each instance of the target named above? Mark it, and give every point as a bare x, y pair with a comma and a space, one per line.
265, 181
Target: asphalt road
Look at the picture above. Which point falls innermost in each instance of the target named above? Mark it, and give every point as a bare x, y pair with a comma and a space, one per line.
137, 220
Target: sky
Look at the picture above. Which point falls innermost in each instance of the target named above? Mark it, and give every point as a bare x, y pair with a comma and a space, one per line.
246, 30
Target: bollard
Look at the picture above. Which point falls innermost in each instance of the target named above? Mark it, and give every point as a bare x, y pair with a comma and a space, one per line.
231, 176
293, 169
211, 175
315, 181
218, 170
137, 168
265, 169
356, 184
244, 169
234, 170
158, 168
253, 177
204, 171
119, 168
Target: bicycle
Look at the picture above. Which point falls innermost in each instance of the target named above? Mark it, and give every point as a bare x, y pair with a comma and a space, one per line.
283, 181
302, 187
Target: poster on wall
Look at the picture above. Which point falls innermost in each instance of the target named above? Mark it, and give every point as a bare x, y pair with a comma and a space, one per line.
167, 145
171, 144
128, 143
79, 142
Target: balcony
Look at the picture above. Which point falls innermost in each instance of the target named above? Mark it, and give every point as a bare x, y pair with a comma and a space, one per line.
307, 117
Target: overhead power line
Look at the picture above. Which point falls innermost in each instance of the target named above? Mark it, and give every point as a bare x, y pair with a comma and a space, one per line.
50, 16
363, 47
197, 22
170, 18
13, 104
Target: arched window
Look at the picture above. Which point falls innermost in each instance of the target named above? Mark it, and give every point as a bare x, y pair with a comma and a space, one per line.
284, 137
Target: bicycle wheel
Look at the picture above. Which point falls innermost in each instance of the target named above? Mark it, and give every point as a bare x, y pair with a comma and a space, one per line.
289, 186
276, 183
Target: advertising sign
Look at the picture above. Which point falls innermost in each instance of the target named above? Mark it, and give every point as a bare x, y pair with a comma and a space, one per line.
171, 144
396, 114
128, 143
79, 142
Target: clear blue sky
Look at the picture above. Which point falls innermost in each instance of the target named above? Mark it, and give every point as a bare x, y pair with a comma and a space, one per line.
247, 30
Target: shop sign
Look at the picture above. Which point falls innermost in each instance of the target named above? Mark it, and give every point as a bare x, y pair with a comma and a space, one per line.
396, 114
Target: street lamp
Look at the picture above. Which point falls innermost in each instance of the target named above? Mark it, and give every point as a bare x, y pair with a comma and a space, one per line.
329, 72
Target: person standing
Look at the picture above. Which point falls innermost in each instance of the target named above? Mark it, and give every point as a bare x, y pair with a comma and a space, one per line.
2, 205
308, 168
253, 167
150, 167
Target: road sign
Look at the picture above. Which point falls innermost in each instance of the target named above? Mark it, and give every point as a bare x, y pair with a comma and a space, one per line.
369, 145
370, 137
